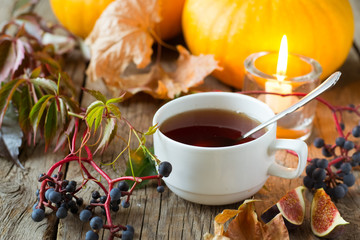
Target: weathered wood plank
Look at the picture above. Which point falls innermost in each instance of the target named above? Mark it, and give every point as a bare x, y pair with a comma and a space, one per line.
17, 195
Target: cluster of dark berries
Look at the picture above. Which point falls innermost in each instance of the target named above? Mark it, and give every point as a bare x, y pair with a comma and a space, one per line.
333, 173
59, 195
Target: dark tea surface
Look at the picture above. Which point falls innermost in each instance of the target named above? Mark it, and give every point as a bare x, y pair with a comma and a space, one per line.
209, 128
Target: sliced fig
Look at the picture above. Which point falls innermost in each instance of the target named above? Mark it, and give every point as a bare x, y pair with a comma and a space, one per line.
325, 217
291, 206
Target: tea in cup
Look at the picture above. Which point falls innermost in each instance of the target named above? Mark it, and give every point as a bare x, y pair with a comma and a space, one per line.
200, 135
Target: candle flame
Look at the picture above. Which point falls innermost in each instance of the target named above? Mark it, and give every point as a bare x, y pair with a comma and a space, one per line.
282, 60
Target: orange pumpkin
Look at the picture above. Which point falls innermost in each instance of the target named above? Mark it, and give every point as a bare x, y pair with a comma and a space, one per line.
79, 16
233, 29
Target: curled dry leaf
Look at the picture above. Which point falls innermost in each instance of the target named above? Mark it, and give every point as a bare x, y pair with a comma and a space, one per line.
190, 72
246, 225
118, 41
121, 36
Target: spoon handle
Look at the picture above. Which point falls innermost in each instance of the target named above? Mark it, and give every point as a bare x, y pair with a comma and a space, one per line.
329, 82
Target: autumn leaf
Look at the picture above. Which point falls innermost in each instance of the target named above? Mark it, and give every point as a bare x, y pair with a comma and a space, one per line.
12, 54
119, 41
246, 225
190, 72
11, 136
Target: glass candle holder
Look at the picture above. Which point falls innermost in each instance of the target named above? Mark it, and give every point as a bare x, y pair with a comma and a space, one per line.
302, 76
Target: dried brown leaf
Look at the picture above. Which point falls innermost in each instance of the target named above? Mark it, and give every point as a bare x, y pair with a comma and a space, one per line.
190, 72
121, 36
246, 226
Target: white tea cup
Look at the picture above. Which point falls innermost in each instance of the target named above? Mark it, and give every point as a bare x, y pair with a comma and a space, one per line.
223, 175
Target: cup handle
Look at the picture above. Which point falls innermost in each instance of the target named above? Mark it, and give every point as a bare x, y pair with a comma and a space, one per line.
299, 147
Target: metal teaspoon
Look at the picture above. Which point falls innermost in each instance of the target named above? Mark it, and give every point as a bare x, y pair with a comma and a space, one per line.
329, 82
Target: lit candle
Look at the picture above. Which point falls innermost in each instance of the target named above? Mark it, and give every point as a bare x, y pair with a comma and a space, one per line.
278, 103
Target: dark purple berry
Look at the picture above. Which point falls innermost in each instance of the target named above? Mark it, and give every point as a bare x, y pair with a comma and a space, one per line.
346, 168
339, 192
319, 174
165, 169
125, 204
340, 141
95, 195
61, 212
160, 189
326, 152
356, 131
322, 163
348, 145
96, 223
85, 215
308, 182
123, 186
55, 197
349, 179
38, 214
309, 169
115, 194
103, 199
90, 235
319, 142
127, 235
79, 201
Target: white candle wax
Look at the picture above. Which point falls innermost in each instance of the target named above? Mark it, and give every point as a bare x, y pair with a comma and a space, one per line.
276, 102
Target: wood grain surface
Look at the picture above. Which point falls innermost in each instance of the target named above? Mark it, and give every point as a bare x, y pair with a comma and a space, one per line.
154, 215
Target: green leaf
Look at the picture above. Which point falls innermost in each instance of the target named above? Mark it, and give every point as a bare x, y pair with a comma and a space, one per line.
69, 84
63, 113
151, 130
52, 64
6, 93
95, 115
115, 100
98, 119
45, 83
36, 72
142, 165
96, 94
110, 127
50, 124
24, 105
114, 109
93, 105
72, 104
38, 110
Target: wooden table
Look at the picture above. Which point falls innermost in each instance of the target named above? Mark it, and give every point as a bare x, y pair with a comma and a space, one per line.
154, 215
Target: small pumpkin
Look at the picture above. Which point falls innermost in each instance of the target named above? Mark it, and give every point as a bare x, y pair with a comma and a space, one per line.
79, 16
232, 30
